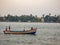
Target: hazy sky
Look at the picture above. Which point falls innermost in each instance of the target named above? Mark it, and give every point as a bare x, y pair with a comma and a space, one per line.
35, 7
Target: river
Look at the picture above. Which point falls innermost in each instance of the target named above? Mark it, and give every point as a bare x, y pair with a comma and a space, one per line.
47, 34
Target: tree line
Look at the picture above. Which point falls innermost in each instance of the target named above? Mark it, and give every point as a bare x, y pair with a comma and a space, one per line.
30, 18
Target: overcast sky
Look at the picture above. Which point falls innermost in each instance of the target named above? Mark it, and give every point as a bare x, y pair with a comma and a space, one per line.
35, 7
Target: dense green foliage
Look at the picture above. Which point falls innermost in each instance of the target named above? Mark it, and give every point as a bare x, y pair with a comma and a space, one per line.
22, 18
30, 18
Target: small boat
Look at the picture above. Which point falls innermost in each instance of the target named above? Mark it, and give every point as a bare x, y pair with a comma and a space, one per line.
33, 31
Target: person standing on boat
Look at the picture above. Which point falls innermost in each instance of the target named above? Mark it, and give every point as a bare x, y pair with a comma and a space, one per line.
31, 28
9, 28
6, 28
24, 28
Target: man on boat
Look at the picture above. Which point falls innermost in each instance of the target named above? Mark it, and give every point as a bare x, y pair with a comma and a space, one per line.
31, 28
24, 28
6, 28
9, 28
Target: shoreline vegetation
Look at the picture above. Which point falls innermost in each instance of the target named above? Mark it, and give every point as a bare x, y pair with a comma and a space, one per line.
29, 22
30, 18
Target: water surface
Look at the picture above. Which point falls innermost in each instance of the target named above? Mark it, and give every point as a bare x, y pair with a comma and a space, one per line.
47, 34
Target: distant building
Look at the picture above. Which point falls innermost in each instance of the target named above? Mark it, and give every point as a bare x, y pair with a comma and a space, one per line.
19, 21
42, 19
58, 18
29, 21
4, 18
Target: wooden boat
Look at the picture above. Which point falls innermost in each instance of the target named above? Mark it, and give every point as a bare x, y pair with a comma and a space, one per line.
33, 31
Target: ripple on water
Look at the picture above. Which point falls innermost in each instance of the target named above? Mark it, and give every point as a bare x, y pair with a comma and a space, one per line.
47, 34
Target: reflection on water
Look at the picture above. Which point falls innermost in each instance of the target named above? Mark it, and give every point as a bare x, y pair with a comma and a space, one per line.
47, 34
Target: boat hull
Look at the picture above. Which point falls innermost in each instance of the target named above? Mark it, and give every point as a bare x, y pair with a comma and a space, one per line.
20, 33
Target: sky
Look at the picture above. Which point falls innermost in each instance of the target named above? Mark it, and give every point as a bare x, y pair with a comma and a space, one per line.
27, 7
